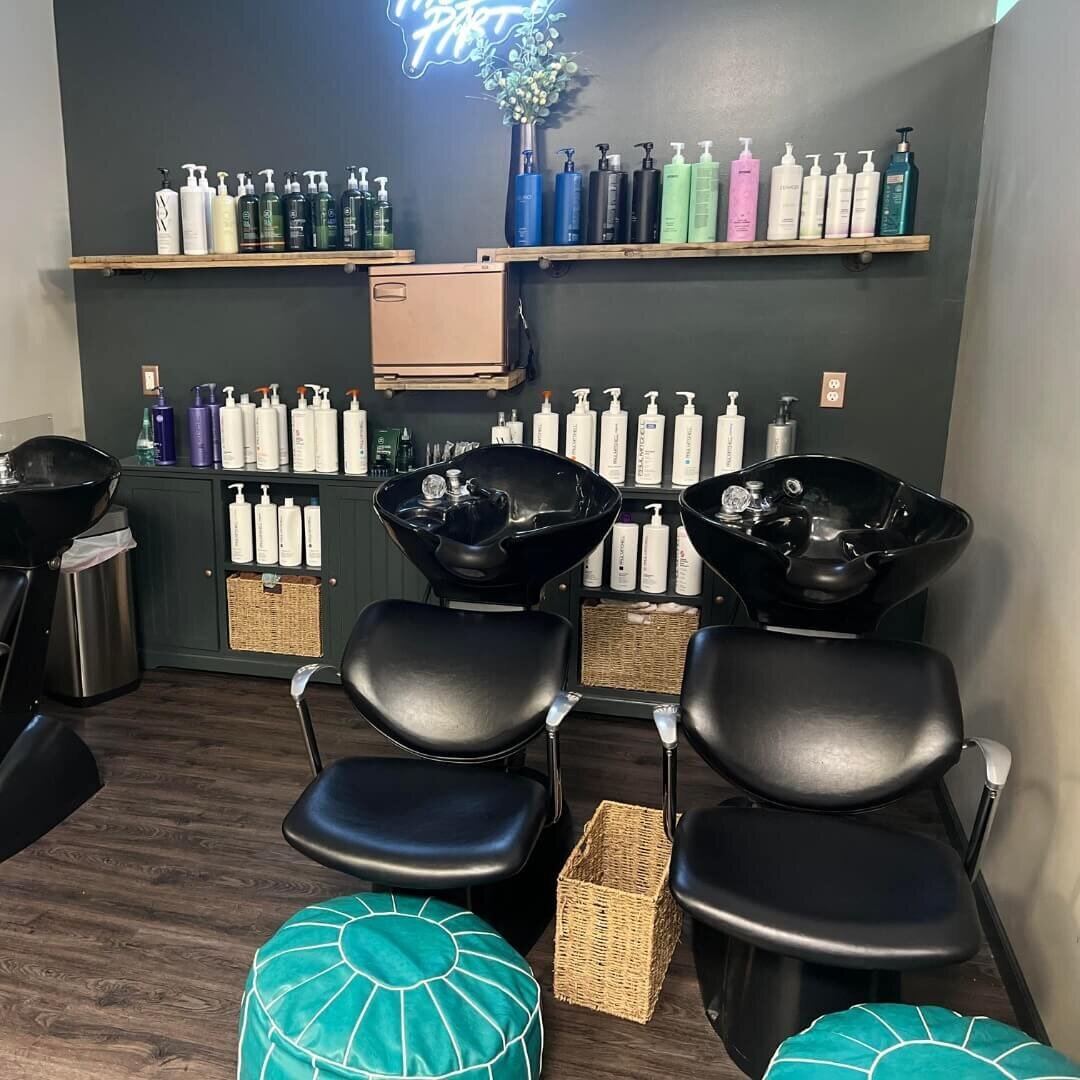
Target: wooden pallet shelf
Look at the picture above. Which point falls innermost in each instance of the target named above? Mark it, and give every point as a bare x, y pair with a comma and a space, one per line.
491, 384
864, 249
350, 260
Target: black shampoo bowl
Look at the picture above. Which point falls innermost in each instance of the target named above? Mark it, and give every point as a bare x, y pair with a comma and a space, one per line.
822, 543
496, 524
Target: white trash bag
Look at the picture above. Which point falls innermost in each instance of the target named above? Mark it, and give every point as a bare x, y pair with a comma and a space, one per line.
88, 551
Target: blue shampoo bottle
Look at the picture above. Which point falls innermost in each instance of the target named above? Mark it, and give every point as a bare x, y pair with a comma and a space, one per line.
164, 424
215, 421
568, 202
200, 432
528, 200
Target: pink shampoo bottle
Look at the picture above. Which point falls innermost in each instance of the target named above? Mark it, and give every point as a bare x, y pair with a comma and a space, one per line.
743, 195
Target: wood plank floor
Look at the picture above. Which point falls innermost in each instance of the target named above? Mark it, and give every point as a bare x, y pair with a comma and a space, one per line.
126, 933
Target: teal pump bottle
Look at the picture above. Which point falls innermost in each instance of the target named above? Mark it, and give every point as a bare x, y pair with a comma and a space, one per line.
899, 190
383, 224
353, 213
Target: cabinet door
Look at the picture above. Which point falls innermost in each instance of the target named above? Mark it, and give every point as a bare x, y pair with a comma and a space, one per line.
361, 561
176, 601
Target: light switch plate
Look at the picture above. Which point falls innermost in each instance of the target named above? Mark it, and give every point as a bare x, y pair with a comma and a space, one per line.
150, 379
833, 385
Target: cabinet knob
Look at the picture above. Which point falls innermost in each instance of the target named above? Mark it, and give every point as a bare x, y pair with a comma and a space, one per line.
208, 573
562, 586
718, 599
332, 582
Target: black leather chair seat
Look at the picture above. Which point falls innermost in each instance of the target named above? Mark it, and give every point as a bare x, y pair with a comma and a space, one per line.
418, 824
827, 890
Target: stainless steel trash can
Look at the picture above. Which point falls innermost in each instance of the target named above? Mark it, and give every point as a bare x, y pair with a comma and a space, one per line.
92, 652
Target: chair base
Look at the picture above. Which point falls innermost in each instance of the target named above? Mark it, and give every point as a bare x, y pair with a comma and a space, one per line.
755, 999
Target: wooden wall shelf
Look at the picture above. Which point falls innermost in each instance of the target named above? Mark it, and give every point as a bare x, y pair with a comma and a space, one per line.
110, 265
491, 384
862, 250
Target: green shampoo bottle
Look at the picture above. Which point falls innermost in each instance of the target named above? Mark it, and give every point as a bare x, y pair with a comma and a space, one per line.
675, 199
324, 220
899, 190
247, 214
353, 214
271, 218
296, 222
383, 224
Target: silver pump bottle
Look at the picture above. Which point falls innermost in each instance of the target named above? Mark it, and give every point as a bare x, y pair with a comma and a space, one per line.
780, 436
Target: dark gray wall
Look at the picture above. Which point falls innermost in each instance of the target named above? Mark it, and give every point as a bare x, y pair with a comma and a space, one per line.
257, 83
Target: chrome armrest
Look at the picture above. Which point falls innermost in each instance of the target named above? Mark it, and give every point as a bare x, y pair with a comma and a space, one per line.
666, 719
298, 690
998, 761
557, 712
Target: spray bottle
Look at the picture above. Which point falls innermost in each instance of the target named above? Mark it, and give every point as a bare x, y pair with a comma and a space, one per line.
613, 422
568, 202
167, 215
546, 426
528, 203
581, 431
226, 240
193, 215
354, 436
650, 444
200, 432
232, 432
812, 215
303, 433
164, 425
645, 199
382, 225
704, 196
247, 214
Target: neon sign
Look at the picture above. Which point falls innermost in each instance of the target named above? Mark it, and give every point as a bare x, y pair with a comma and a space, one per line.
445, 31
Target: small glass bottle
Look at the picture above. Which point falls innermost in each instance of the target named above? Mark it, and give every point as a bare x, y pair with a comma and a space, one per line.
144, 444
405, 458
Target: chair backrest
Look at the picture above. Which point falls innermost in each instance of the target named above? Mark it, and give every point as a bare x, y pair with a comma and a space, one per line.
455, 685
820, 723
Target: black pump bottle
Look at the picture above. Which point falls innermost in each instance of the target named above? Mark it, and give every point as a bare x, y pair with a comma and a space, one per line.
606, 188
645, 202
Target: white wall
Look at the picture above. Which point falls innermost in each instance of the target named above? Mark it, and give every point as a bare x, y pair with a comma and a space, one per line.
39, 351
1009, 613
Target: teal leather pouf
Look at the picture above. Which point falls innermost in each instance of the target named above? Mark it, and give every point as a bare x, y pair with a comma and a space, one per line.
898, 1042
376, 986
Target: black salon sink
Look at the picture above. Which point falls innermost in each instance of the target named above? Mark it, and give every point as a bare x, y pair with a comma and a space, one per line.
54, 488
826, 543
521, 516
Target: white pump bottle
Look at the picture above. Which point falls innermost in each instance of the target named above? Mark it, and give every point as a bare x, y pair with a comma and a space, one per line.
864, 208
193, 215
223, 211
266, 433
546, 426
655, 538
784, 197
838, 210
686, 448
303, 433
266, 531
581, 431
812, 216
613, 424
241, 549
247, 412
730, 435
354, 436
208, 207
290, 533
650, 444
232, 432
326, 444
282, 411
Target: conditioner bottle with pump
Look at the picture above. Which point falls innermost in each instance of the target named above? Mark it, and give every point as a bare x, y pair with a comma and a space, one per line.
303, 433
675, 201
546, 426
686, 451
864, 206
568, 202
730, 435
241, 545
232, 432
838, 207
354, 436
743, 195
784, 197
624, 554
167, 216
290, 533
645, 200
650, 444
266, 530
704, 195
900, 189
613, 421
655, 539
812, 216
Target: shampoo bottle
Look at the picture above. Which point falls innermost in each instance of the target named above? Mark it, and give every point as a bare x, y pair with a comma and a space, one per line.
686, 450
167, 216
568, 202
743, 195
500, 433
266, 433
516, 428
271, 218
226, 238
295, 209
382, 225
164, 423
704, 193
624, 554
784, 194
592, 572
604, 200
215, 422
650, 444
838, 207
266, 532
354, 436
645, 200
901, 188
200, 432
290, 533
675, 201
864, 207
232, 432
687, 565
312, 199
313, 534
780, 436
193, 215
613, 423
546, 426
324, 217
655, 538
326, 444
241, 543
353, 214
303, 433
281, 411
247, 214
730, 435
208, 207
247, 413
528, 203
812, 216
581, 431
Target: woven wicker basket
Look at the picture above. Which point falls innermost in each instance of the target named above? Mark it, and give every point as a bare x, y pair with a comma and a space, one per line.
634, 656
282, 618
616, 923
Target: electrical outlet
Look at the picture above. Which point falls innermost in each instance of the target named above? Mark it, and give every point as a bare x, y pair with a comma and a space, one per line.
833, 384
150, 379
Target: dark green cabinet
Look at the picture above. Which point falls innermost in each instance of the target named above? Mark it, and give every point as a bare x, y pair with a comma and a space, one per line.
174, 564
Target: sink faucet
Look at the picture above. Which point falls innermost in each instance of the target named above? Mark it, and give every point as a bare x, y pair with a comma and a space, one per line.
759, 504
7, 475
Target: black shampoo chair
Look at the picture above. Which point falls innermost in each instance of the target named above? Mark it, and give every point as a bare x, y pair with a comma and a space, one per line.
799, 908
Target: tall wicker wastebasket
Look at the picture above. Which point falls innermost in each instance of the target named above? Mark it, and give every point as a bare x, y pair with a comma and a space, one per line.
617, 924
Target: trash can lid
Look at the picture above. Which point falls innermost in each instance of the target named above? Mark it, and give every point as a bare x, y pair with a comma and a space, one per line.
115, 519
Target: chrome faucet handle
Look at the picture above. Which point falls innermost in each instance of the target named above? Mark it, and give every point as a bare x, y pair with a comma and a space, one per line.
453, 480
7, 475
758, 502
